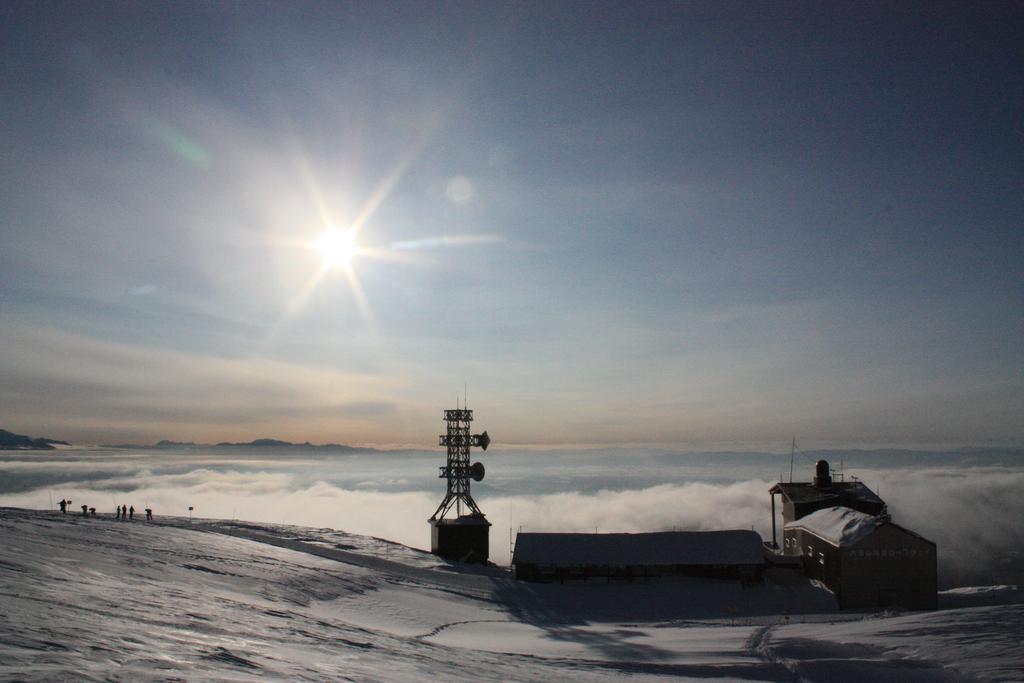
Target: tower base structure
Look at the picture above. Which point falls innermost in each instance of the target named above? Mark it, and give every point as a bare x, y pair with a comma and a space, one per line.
463, 539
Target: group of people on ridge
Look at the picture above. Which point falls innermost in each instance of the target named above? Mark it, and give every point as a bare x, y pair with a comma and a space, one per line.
124, 512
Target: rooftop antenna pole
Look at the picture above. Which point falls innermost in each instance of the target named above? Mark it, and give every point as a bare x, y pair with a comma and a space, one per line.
792, 452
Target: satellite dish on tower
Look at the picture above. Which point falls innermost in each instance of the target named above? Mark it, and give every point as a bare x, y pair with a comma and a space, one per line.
484, 441
476, 471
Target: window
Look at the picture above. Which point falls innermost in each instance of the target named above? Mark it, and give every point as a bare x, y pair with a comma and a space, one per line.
821, 559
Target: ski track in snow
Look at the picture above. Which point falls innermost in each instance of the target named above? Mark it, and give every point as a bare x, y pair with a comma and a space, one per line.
98, 599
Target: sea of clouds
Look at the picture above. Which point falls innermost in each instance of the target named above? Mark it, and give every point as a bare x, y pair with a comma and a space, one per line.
968, 502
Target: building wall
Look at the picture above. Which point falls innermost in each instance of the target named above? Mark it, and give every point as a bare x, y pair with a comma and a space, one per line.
788, 510
460, 542
820, 558
794, 511
889, 568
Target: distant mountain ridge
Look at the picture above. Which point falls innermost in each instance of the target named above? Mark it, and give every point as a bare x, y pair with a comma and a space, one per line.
166, 444
9, 441
275, 443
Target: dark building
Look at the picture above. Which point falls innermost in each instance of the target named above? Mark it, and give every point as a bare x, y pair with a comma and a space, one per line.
866, 560
463, 539
561, 557
802, 498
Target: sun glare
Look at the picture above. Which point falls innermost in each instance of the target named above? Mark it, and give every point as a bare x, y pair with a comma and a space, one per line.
337, 248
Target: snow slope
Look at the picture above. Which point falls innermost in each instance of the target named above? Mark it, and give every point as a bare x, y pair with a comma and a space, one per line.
98, 599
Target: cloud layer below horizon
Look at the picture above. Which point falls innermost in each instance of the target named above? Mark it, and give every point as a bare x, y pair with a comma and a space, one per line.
971, 512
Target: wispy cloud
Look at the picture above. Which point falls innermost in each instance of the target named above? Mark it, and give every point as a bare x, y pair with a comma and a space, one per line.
72, 385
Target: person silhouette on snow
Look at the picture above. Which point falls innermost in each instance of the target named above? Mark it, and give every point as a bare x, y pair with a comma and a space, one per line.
149, 514
63, 506
85, 510
119, 512
131, 513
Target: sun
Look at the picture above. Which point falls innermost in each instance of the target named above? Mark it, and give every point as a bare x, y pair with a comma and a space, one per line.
337, 248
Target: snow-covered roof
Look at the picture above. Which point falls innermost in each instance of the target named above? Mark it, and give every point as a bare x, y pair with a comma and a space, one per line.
838, 525
692, 548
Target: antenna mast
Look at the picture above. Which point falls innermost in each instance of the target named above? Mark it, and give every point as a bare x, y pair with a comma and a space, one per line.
792, 452
457, 469
463, 538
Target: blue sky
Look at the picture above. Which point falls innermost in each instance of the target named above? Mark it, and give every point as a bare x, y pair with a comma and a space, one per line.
691, 224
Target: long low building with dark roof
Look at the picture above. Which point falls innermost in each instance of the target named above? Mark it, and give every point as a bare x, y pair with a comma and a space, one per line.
562, 556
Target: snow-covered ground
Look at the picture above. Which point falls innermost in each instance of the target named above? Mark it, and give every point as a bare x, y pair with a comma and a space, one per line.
98, 599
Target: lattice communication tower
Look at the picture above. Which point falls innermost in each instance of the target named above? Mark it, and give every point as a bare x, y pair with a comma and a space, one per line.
457, 469
463, 538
